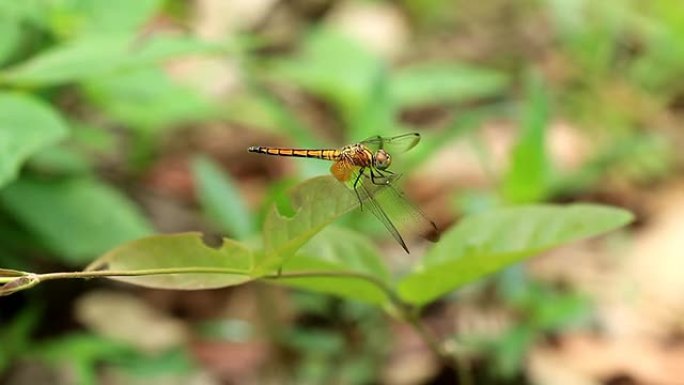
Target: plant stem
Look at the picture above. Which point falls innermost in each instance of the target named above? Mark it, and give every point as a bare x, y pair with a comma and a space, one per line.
139, 273
450, 359
391, 294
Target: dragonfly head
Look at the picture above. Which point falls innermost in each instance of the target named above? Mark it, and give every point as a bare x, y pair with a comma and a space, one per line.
382, 160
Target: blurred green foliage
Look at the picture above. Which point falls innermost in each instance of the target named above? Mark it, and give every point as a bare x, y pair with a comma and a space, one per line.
83, 91
221, 199
45, 206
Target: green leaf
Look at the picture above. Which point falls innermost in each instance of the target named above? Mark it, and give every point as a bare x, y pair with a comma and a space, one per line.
75, 218
377, 116
445, 83
27, 13
177, 363
221, 199
528, 178
86, 17
27, 125
639, 156
338, 250
93, 140
81, 59
510, 350
94, 56
80, 352
315, 341
232, 260
78, 348
60, 160
429, 13
10, 30
148, 99
464, 124
315, 203
16, 334
485, 243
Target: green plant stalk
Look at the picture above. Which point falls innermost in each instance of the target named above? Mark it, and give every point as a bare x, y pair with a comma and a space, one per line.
408, 312
449, 358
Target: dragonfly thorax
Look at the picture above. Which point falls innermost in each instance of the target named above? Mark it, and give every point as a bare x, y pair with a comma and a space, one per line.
362, 156
358, 155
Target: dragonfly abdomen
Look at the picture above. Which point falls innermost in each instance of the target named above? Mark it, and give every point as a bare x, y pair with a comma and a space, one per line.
327, 154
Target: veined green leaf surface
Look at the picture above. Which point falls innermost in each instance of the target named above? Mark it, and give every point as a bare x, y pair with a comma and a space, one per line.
316, 203
482, 244
232, 262
338, 251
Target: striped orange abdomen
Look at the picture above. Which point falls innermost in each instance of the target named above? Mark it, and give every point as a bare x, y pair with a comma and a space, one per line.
326, 154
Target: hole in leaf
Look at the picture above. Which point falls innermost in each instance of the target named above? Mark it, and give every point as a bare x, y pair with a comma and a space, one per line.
213, 241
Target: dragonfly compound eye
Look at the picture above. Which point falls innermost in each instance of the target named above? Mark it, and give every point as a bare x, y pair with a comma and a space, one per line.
382, 159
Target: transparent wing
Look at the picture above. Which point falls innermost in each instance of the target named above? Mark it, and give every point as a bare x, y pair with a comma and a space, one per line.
394, 144
394, 210
367, 196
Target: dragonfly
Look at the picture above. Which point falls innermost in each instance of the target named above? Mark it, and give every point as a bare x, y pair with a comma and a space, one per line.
364, 167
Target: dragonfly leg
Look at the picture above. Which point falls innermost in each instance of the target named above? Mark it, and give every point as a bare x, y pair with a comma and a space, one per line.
380, 174
356, 183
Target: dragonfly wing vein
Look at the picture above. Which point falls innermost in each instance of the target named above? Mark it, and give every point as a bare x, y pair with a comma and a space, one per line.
367, 193
394, 144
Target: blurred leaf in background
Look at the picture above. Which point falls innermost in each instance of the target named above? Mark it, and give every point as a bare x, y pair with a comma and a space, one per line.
148, 101
82, 354
16, 335
27, 125
441, 83
75, 218
221, 200
99, 55
75, 18
529, 175
10, 30
337, 69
